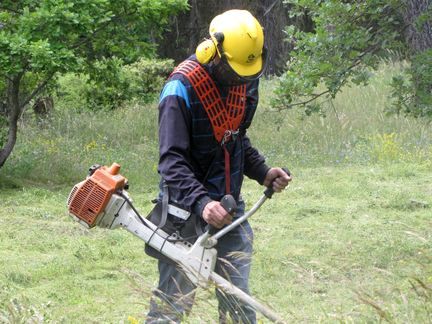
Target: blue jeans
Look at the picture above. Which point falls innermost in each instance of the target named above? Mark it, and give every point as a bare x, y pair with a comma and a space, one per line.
175, 294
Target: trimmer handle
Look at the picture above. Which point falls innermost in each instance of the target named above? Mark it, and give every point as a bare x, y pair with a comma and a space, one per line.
269, 191
229, 204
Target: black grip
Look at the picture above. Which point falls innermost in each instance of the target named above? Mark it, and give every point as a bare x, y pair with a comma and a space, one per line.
229, 204
269, 191
212, 230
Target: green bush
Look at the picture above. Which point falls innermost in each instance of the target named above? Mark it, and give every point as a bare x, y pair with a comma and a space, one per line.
113, 84
412, 88
349, 40
108, 85
71, 88
146, 77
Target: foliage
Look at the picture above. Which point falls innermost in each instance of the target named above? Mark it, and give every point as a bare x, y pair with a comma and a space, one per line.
115, 84
412, 90
147, 77
349, 39
40, 39
70, 92
60, 36
107, 86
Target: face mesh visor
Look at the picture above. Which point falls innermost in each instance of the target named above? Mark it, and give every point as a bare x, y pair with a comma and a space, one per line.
227, 76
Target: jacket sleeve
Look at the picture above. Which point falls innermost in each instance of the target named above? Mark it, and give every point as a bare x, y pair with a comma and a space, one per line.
174, 146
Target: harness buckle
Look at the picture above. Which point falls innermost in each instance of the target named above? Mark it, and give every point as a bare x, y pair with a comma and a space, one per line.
229, 135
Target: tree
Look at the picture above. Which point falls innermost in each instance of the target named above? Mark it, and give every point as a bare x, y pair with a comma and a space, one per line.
41, 38
191, 28
413, 90
349, 39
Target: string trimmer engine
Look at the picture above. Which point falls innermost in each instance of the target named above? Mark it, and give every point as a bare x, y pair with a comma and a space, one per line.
88, 199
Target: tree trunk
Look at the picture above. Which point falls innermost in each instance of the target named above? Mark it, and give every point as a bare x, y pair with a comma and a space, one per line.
43, 107
419, 39
14, 113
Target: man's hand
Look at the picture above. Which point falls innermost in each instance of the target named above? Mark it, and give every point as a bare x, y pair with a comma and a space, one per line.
215, 215
277, 178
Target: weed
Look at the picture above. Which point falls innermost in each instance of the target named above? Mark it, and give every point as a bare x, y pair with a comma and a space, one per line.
20, 311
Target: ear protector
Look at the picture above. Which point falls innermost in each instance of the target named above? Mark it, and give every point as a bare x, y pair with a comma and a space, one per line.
207, 50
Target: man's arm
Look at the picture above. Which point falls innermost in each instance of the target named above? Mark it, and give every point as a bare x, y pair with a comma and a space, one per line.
174, 146
174, 160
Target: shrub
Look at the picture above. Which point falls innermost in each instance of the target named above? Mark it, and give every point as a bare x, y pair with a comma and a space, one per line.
412, 88
108, 86
117, 85
70, 90
147, 77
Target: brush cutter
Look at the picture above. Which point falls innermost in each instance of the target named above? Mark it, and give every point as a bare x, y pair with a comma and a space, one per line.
102, 200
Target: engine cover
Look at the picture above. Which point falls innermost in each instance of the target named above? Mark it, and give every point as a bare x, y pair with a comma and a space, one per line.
89, 198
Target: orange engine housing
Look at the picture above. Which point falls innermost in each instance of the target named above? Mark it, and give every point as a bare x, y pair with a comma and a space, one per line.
89, 198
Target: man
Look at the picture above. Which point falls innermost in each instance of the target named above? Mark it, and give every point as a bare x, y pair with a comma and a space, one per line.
205, 109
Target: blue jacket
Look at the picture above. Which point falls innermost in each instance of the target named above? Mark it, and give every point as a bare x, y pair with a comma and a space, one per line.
191, 161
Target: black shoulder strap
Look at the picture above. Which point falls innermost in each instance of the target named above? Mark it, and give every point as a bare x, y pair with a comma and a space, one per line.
165, 200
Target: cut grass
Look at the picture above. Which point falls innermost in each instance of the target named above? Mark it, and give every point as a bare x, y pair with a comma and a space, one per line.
341, 244
341, 247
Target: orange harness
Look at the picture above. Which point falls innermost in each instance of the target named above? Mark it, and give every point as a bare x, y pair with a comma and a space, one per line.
225, 117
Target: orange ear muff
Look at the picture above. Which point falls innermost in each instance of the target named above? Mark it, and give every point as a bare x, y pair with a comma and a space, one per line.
205, 51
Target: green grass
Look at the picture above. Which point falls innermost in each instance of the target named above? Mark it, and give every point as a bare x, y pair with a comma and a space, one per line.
342, 235
336, 242
349, 241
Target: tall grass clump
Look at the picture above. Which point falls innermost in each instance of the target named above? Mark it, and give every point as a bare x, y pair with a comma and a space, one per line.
103, 120
60, 151
353, 128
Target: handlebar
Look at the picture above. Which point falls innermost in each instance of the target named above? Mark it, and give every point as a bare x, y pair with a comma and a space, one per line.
269, 191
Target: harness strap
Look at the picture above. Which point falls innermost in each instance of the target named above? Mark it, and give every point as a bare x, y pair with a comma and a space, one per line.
164, 214
165, 201
227, 171
225, 117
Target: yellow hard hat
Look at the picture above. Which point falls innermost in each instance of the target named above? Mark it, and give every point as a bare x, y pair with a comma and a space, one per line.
238, 38
242, 40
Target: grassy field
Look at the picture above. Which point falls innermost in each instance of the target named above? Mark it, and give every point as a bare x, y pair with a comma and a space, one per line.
349, 241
